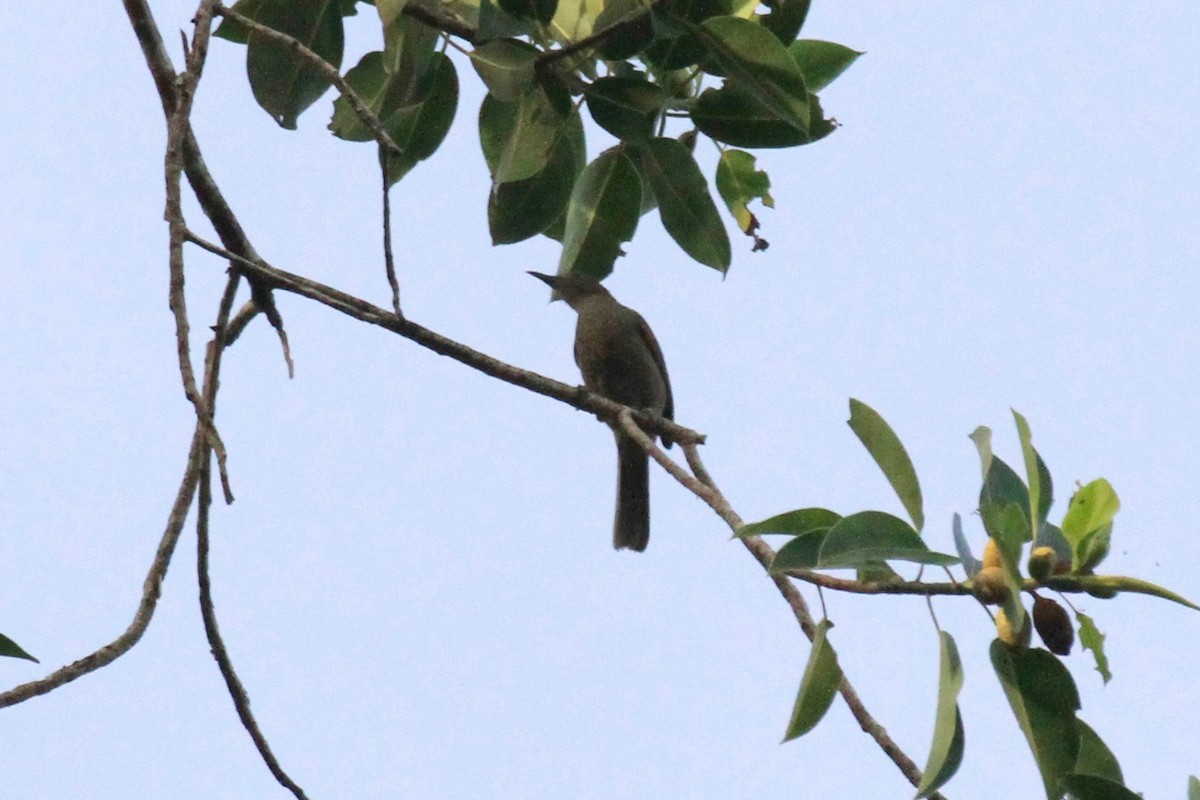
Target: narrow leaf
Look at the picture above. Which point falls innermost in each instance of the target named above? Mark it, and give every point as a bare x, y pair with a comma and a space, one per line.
684, 203
946, 750
822, 677
970, 563
885, 447
1032, 473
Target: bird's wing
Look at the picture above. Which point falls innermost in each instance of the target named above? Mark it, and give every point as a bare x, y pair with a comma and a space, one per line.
656, 352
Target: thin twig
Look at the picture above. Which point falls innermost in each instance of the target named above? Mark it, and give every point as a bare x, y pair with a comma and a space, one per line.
237, 692
389, 262
211, 200
177, 122
765, 554
151, 590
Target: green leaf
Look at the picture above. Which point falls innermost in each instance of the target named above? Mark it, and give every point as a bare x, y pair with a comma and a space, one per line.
601, 215
371, 82
517, 137
821, 62
521, 209
540, 10
1046, 489
634, 35
676, 44
876, 536
822, 677
628, 108
283, 82
786, 18
496, 23
970, 563
793, 523
754, 60
13, 650
884, 446
733, 115
739, 183
234, 31
1093, 787
1044, 700
1088, 523
684, 203
1094, 756
506, 67
420, 128
801, 553
1032, 474
946, 751
982, 438
1092, 639
1193, 788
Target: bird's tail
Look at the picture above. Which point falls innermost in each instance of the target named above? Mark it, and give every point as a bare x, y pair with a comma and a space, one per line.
631, 527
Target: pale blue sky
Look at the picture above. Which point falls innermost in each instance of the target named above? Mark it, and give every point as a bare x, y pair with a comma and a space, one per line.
416, 580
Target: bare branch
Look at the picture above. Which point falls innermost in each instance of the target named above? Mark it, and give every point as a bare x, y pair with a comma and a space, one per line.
211, 200
151, 590
237, 692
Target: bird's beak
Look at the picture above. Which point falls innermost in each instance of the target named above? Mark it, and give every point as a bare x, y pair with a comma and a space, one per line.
549, 280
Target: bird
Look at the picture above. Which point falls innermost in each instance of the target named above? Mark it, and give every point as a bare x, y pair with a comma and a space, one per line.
620, 359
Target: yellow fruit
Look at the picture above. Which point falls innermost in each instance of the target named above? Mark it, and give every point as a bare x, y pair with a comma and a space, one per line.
1043, 562
991, 554
989, 586
1053, 625
1006, 634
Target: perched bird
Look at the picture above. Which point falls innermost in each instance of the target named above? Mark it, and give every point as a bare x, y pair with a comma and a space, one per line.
620, 359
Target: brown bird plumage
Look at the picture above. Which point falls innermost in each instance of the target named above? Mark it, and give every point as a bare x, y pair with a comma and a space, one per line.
620, 359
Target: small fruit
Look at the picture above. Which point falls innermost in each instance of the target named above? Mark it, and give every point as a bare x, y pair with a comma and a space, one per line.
1043, 562
1053, 625
1006, 634
990, 587
991, 554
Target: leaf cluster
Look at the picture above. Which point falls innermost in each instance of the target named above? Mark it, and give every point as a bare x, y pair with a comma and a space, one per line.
653, 74
1014, 511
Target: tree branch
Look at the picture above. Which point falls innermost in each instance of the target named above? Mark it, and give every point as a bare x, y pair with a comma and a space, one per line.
211, 200
353, 307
